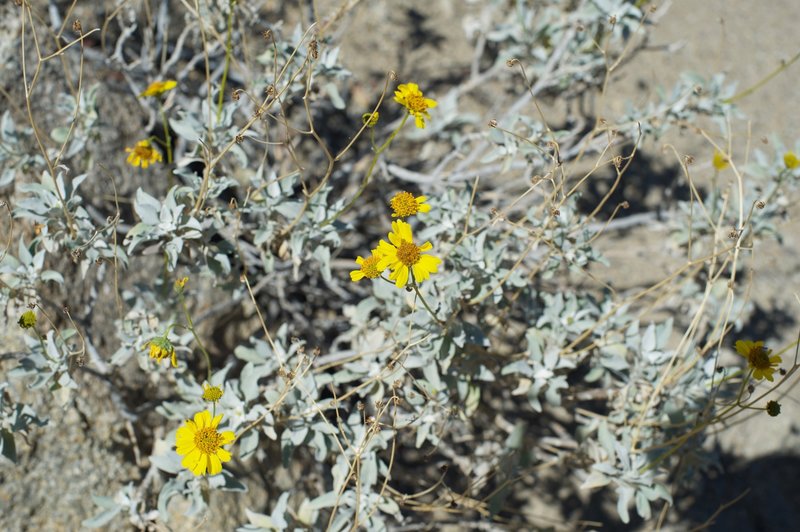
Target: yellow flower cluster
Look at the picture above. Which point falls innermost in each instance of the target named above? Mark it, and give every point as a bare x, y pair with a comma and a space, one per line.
720, 161
790, 160
401, 255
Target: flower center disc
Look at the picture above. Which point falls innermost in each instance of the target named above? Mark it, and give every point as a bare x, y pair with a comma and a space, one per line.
207, 440
416, 103
759, 358
408, 253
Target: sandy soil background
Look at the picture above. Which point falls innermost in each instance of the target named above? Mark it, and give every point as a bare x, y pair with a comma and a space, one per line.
50, 489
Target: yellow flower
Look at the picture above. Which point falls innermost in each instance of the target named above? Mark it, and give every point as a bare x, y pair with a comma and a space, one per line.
180, 283
403, 255
409, 96
790, 160
369, 267
158, 88
161, 348
27, 320
719, 161
200, 444
144, 154
212, 394
758, 358
404, 204
370, 119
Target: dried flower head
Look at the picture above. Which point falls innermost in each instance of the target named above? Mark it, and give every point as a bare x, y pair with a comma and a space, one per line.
27, 320
404, 204
200, 444
409, 96
143, 154
157, 88
773, 408
759, 358
403, 256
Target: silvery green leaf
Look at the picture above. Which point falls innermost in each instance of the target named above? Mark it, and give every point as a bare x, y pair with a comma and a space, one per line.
147, 207
625, 494
169, 462
642, 505
248, 444
110, 510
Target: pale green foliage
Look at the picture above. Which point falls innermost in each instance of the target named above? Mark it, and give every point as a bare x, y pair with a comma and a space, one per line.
521, 337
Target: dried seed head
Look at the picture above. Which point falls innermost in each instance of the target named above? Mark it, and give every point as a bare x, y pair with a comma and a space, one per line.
512, 62
313, 49
760, 204
751, 388
239, 139
76, 26
688, 159
393, 75
625, 205
612, 20
555, 212
267, 35
492, 123
360, 406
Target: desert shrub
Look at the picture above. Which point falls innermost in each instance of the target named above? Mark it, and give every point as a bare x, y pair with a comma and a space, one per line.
187, 189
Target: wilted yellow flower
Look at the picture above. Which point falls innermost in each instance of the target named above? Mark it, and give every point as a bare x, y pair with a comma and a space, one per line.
161, 348
158, 88
790, 160
402, 256
27, 320
409, 96
212, 394
719, 161
144, 154
370, 119
200, 444
404, 204
368, 267
758, 358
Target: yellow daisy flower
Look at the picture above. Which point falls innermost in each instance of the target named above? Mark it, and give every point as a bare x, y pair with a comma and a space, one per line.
200, 444
157, 88
144, 154
409, 96
404, 204
720, 161
212, 394
161, 348
403, 255
368, 267
758, 358
790, 160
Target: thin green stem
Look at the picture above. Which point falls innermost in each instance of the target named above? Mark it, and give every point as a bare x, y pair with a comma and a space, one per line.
425, 303
194, 333
167, 137
228, 48
368, 175
750, 90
